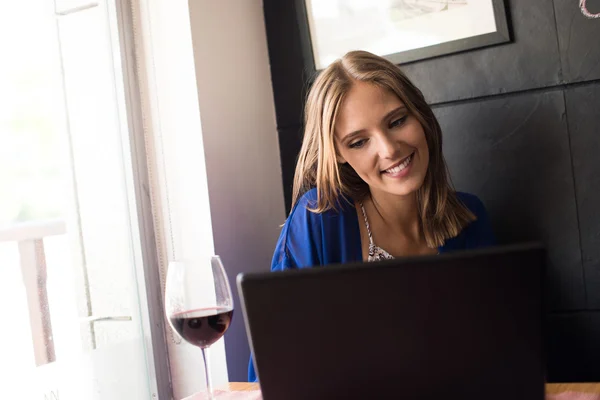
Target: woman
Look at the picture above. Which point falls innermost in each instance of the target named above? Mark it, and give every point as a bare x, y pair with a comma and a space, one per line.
371, 182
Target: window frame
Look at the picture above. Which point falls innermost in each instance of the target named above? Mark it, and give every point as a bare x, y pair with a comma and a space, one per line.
147, 246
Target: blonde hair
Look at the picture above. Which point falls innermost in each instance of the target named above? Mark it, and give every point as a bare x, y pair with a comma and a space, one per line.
442, 214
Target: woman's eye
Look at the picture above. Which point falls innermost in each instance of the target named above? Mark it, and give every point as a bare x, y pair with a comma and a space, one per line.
358, 144
398, 122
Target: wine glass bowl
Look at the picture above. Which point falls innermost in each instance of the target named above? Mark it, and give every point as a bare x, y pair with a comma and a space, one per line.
202, 327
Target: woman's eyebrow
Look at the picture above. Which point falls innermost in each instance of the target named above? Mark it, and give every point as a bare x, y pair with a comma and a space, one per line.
394, 111
351, 135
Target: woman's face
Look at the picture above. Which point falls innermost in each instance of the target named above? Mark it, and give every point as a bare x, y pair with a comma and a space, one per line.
381, 141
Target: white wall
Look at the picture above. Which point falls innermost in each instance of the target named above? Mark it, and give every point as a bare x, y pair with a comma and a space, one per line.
240, 142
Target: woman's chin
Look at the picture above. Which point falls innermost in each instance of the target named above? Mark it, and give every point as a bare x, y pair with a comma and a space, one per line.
405, 188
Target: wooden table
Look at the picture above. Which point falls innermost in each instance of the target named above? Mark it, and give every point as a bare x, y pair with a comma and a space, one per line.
555, 388
552, 388
240, 386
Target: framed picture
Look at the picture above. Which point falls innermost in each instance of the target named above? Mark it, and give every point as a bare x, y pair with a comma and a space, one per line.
403, 30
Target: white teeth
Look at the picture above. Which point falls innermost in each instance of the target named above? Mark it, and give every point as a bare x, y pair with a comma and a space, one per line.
400, 167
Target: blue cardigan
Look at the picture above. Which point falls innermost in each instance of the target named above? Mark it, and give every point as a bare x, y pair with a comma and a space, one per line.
333, 237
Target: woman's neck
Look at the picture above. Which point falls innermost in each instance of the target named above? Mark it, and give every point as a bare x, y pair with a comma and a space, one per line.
398, 213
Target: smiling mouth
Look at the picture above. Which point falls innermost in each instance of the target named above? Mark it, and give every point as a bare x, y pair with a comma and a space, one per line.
400, 166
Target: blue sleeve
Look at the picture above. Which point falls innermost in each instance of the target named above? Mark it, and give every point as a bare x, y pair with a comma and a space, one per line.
297, 245
479, 233
251, 373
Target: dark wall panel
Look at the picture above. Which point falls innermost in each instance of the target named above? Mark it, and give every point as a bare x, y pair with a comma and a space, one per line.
514, 153
290, 140
288, 54
583, 110
578, 40
531, 61
573, 347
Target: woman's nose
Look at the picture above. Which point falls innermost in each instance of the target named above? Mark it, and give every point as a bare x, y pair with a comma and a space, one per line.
387, 146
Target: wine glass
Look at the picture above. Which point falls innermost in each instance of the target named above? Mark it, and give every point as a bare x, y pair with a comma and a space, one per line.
199, 305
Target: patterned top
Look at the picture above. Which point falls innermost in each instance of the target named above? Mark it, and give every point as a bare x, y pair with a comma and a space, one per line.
376, 253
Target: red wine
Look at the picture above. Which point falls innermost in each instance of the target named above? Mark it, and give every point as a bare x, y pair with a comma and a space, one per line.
204, 326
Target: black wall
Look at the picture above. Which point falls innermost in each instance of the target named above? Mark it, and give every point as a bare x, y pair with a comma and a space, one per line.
521, 125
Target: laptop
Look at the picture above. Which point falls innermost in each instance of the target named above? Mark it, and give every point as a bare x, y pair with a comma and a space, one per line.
465, 325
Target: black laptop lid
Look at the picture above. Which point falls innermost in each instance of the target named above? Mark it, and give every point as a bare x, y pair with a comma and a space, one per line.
463, 325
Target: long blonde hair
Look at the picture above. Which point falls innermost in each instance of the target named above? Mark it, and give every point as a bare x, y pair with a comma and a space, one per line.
442, 214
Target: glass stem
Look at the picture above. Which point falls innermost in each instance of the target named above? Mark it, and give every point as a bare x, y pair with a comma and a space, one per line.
209, 388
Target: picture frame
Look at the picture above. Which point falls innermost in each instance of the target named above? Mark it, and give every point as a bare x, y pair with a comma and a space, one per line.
402, 31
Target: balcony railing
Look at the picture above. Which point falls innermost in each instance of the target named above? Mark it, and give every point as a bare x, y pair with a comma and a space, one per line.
30, 239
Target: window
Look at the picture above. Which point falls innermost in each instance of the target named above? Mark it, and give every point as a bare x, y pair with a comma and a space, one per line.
76, 266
